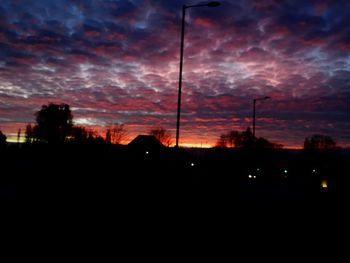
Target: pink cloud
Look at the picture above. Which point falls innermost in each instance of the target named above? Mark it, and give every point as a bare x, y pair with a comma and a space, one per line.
92, 34
124, 68
203, 22
343, 46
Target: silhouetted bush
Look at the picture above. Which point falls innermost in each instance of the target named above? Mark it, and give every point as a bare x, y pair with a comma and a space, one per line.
245, 139
320, 142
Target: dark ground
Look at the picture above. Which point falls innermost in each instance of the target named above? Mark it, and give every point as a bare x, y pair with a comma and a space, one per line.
109, 173
203, 190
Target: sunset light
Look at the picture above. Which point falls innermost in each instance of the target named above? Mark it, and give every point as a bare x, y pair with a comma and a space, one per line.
118, 62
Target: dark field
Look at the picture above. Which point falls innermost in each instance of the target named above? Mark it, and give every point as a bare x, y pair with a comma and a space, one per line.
97, 190
205, 177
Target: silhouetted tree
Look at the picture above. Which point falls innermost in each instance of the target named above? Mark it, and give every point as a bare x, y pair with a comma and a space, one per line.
247, 139
244, 139
3, 139
29, 135
263, 143
82, 135
116, 134
78, 134
94, 138
236, 139
163, 135
54, 123
231, 139
108, 138
223, 141
319, 142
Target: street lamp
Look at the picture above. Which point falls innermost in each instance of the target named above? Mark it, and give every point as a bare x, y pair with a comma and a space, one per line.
184, 7
254, 102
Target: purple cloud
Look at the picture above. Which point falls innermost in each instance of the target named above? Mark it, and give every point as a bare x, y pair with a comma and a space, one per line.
118, 61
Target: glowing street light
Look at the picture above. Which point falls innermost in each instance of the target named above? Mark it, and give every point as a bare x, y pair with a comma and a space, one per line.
184, 7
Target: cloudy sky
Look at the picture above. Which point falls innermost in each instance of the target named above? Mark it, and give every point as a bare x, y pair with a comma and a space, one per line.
118, 62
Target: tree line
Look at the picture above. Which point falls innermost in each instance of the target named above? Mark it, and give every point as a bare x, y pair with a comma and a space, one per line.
246, 139
54, 125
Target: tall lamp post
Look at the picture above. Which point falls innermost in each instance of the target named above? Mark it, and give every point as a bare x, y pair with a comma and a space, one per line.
254, 102
184, 7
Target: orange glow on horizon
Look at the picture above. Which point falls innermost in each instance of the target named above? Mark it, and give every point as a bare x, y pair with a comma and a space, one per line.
126, 71
196, 145
11, 131
192, 142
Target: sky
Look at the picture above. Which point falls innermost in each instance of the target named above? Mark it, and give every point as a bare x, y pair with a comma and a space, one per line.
118, 62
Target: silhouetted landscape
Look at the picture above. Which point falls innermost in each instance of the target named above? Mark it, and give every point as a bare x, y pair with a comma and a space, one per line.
193, 112
61, 163
156, 174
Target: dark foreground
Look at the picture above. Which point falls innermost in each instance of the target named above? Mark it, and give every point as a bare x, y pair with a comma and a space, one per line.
188, 197
165, 177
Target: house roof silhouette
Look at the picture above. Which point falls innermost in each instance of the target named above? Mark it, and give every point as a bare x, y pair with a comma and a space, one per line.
145, 141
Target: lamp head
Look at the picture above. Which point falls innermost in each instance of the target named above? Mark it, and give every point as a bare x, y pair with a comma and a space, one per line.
213, 4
